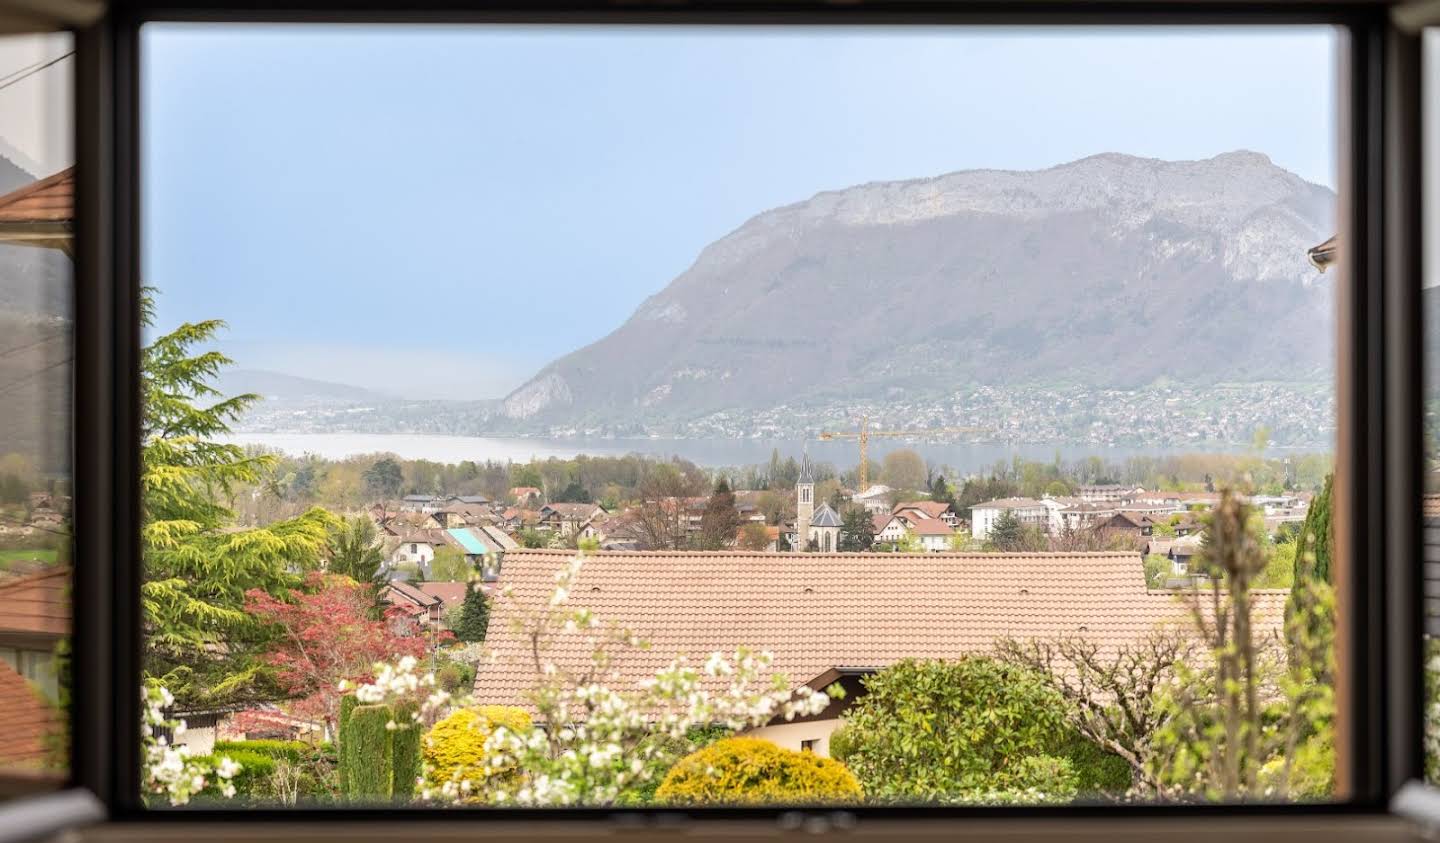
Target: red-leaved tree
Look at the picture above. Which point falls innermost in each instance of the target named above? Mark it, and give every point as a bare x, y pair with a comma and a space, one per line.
325, 633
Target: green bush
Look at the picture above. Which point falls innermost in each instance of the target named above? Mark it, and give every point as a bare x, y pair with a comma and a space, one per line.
454, 748
751, 771
289, 750
958, 731
368, 754
253, 780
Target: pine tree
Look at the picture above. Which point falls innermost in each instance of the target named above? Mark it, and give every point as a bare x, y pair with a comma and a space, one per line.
1007, 533
355, 553
474, 616
857, 530
197, 566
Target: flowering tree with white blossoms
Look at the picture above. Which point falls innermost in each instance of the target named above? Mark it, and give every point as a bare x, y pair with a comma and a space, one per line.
171, 770
400, 683
601, 745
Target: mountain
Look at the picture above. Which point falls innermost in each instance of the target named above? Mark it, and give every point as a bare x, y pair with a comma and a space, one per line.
276, 386
1108, 272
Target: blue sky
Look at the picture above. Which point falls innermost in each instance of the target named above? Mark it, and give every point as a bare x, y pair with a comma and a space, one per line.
437, 212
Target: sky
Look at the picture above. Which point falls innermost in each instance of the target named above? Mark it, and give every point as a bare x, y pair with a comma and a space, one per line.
437, 212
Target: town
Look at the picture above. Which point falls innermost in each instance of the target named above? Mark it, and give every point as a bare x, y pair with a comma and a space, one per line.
1162, 416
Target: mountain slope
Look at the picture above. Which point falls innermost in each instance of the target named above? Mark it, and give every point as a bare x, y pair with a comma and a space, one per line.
277, 386
1111, 271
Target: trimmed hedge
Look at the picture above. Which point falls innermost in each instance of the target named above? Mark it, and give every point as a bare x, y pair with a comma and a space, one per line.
454, 748
347, 705
289, 750
751, 771
406, 743
368, 752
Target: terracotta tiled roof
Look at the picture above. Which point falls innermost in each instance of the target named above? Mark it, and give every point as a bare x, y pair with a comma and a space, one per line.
1430, 506
570, 511
399, 589
51, 199
449, 593
29, 721
934, 509
1009, 503
38, 604
814, 611
930, 527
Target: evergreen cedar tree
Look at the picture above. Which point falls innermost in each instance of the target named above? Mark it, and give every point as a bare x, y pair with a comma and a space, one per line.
198, 565
384, 479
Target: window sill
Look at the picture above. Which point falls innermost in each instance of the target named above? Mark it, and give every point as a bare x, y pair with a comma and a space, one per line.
1318, 828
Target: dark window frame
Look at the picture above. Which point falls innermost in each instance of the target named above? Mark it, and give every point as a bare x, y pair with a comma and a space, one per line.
1378, 474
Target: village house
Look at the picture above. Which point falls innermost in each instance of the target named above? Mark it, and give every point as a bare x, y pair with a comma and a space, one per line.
426, 602
933, 534
567, 519
526, 496
1108, 493
929, 509
1133, 525
830, 618
875, 500
1028, 510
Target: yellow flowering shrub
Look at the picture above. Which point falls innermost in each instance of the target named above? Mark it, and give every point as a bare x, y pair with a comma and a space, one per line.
751, 771
454, 748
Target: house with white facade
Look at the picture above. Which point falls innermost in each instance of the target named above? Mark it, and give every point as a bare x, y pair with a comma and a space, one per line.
1028, 510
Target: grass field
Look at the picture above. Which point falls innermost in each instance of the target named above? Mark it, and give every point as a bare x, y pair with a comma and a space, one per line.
10, 557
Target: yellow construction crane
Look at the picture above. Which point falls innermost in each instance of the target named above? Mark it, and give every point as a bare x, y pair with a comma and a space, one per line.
864, 434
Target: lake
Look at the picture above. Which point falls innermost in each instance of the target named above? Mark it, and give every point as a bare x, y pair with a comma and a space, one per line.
962, 456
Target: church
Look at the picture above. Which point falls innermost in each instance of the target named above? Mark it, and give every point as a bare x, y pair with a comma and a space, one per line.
815, 529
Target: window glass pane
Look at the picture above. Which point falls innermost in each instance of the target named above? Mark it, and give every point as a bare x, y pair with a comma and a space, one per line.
969, 390
36, 276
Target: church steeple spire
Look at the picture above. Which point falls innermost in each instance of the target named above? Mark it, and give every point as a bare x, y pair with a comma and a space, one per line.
804, 502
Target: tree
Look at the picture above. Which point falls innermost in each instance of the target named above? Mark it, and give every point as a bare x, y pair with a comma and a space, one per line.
941, 491
754, 537
1113, 698
474, 617
384, 479
1312, 545
355, 551
660, 522
450, 565
970, 730
903, 469
573, 493
322, 634
1008, 534
198, 567
857, 530
721, 520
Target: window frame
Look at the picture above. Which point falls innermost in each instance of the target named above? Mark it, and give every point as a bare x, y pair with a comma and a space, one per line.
1377, 390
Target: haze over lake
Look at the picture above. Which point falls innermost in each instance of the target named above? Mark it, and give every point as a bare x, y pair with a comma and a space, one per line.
962, 456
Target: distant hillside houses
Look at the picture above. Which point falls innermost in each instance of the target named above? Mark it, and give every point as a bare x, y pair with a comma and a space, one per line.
1099, 507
